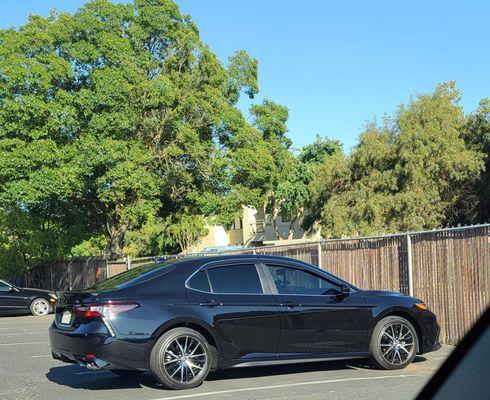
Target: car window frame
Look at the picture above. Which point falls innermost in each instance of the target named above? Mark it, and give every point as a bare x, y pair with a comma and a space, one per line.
273, 287
8, 286
223, 264
310, 268
187, 282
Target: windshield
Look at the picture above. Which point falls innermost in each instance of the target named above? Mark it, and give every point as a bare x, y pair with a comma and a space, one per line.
132, 277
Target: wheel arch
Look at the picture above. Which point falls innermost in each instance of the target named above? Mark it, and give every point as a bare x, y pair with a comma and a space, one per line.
404, 313
198, 326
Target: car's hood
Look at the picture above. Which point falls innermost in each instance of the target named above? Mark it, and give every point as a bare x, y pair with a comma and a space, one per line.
385, 293
382, 293
35, 291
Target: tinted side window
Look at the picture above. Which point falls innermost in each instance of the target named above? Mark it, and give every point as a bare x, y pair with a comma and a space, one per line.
4, 287
235, 279
296, 281
200, 282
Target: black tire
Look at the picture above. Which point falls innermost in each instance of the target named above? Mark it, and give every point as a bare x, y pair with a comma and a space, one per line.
166, 359
394, 343
40, 307
127, 373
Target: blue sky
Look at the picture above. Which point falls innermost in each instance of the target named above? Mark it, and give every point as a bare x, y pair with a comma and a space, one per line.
337, 64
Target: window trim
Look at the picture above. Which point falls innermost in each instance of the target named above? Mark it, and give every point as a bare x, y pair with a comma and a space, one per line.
270, 280
192, 276
310, 268
8, 286
262, 279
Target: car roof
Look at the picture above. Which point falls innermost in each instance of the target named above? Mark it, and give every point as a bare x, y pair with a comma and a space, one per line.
200, 261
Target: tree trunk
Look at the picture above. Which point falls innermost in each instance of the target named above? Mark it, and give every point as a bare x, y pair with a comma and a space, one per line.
293, 223
116, 238
291, 228
274, 215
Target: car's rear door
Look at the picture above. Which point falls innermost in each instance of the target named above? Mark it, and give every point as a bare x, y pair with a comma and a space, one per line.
315, 319
235, 299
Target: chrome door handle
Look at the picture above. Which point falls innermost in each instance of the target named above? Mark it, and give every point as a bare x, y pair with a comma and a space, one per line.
290, 304
210, 303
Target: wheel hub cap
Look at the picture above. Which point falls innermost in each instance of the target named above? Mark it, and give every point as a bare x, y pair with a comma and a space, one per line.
397, 343
185, 359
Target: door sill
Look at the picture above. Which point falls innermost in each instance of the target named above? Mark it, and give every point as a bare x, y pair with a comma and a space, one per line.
280, 360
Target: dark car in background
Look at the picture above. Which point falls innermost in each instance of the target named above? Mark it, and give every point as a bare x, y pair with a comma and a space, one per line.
182, 319
17, 300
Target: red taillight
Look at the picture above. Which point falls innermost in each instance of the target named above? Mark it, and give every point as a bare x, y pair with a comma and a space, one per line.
108, 309
92, 314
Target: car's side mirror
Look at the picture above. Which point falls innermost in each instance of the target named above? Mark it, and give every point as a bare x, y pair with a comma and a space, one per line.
344, 291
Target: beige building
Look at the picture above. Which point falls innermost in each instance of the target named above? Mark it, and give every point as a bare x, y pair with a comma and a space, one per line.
252, 228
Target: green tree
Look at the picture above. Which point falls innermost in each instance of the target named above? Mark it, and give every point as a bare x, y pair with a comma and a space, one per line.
477, 135
112, 118
184, 230
412, 172
270, 120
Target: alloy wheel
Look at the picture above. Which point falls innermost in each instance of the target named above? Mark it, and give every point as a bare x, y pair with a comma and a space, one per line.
185, 359
40, 307
397, 343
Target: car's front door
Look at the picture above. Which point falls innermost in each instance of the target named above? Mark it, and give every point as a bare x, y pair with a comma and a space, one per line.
11, 300
235, 299
315, 318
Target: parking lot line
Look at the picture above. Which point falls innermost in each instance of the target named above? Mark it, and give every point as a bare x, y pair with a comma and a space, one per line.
26, 323
44, 356
287, 385
25, 343
12, 328
17, 334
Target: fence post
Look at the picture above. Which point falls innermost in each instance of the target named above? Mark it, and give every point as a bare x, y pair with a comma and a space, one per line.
253, 250
319, 250
409, 264
70, 275
128, 263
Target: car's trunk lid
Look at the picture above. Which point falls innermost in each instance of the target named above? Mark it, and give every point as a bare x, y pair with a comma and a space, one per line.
65, 315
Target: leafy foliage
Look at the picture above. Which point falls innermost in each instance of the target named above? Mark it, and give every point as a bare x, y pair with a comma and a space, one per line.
113, 120
413, 172
120, 135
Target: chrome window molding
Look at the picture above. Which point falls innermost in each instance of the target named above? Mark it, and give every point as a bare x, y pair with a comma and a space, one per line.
221, 264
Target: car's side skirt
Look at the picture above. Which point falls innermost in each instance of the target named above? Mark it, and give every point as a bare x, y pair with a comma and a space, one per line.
293, 359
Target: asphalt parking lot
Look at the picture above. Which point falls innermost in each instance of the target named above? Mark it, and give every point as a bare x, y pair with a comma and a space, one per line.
27, 371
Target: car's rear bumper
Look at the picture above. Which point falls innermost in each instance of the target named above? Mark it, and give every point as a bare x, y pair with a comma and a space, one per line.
98, 349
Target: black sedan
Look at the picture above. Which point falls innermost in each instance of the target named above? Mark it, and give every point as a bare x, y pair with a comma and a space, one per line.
182, 319
17, 300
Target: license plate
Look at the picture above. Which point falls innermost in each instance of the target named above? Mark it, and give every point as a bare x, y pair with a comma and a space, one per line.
66, 318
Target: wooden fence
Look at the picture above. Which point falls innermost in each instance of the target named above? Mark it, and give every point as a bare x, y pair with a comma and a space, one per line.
448, 268
75, 273
451, 272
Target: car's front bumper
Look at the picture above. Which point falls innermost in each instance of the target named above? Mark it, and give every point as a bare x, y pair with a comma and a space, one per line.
430, 331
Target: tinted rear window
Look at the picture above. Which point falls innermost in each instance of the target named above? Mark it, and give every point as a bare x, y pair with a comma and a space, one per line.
133, 276
235, 279
200, 282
